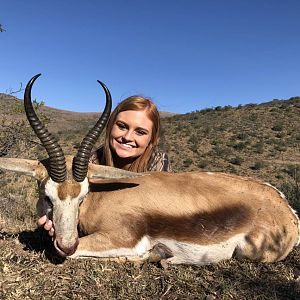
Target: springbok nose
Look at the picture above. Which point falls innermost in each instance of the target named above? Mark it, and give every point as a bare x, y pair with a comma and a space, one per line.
64, 250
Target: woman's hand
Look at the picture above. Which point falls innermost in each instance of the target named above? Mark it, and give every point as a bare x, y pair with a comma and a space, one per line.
47, 224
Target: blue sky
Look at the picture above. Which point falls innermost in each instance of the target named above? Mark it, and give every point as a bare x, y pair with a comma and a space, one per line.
184, 54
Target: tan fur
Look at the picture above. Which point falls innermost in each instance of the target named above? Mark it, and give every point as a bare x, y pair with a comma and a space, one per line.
41, 171
178, 197
188, 211
69, 188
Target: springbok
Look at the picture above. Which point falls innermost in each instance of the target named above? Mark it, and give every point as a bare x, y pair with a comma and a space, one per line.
188, 218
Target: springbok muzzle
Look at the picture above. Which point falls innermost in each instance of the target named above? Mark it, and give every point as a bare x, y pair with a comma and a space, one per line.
64, 250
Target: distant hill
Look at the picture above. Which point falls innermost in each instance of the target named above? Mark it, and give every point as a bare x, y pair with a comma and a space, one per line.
255, 140
12, 107
260, 140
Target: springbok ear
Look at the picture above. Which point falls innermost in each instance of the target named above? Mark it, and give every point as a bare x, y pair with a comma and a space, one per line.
106, 172
26, 167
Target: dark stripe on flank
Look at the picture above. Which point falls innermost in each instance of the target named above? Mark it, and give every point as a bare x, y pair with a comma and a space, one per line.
202, 227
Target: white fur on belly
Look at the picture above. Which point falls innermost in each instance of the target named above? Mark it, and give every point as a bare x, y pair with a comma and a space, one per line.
183, 253
188, 253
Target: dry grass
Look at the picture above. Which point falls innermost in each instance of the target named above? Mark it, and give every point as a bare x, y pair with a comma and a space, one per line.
29, 272
29, 268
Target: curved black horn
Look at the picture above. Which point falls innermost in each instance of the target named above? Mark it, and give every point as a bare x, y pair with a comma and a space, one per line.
81, 160
58, 170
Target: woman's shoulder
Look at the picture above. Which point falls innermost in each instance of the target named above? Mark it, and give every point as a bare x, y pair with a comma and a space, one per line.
159, 161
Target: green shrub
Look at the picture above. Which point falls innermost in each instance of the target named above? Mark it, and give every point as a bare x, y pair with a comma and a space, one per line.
240, 146
297, 137
202, 164
259, 147
220, 151
206, 110
292, 193
193, 139
277, 127
293, 171
253, 117
258, 165
236, 161
187, 162
241, 136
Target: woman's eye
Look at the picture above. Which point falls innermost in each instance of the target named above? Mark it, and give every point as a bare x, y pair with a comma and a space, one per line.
141, 132
121, 126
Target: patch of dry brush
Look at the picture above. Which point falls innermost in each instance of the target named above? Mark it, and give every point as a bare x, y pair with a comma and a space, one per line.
29, 268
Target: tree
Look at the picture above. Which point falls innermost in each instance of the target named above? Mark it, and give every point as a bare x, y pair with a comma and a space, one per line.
1, 28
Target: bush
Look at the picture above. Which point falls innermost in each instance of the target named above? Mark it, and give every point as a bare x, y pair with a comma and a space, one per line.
292, 194
297, 137
253, 117
236, 161
206, 110
277, 127
280, 135
258, 165
294, 172
206, 130
280, 146
216, 142
259, 147
193, 139
239, 146
187, 162
202, 164
219, 151
17, 137
241, 136
250, 105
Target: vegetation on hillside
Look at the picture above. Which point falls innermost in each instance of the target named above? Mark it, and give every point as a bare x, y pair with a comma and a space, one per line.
260, 141
254, 140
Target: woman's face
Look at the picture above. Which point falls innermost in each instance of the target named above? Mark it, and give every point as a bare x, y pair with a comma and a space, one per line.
131, 134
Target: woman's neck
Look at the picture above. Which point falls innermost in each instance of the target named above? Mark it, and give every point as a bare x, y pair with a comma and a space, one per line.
122, 163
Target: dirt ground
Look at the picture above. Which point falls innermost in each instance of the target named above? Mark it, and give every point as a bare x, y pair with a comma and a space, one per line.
30, 269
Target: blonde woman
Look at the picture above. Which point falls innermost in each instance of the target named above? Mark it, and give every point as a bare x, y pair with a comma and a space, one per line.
132, 136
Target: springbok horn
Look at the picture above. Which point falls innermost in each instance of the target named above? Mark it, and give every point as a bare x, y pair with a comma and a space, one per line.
81, 160
58, 171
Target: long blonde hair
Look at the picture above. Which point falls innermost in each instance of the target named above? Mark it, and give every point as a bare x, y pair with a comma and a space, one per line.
136, 103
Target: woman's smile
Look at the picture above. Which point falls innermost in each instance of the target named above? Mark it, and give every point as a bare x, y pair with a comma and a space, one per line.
125, 146
131, 134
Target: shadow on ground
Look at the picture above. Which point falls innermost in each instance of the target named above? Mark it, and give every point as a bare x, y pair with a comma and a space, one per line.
39, 241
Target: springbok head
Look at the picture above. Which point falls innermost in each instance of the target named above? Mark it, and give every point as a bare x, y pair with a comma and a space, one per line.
64, 180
